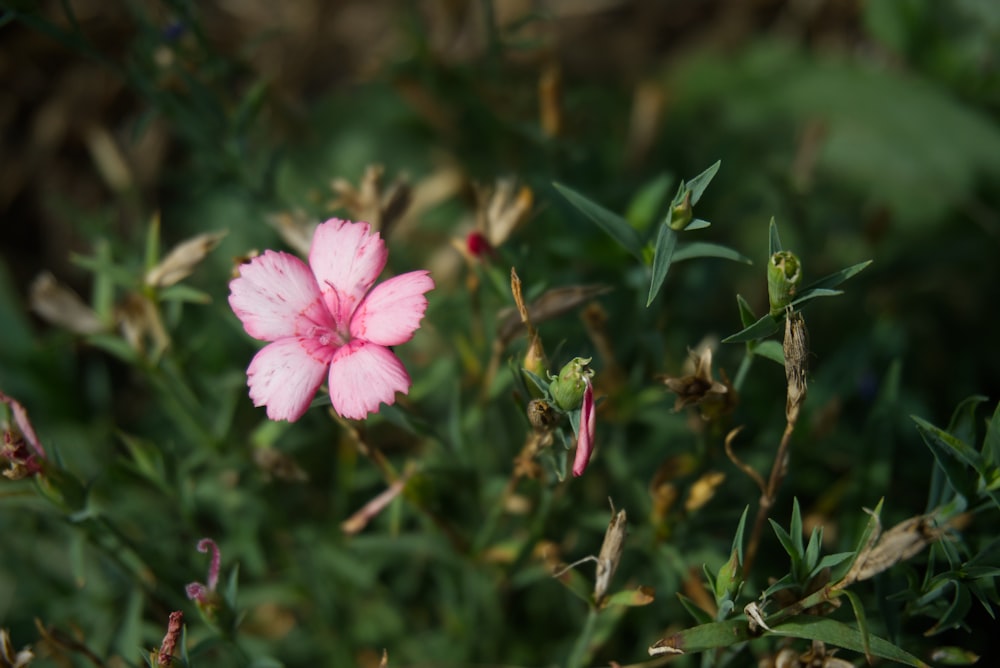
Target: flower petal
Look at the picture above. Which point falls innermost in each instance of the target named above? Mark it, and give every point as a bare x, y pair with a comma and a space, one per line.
346, 259
284, 376
363, 375
392, 311
276, 296
585, 435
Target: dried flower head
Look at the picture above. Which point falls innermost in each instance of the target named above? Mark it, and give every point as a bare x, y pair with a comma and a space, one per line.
8, 657
60, 306
714, 398
796, 349
182, 260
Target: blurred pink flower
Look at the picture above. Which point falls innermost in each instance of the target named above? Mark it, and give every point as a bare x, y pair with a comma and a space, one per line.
20, 445
196, 591
585, 434
326, 321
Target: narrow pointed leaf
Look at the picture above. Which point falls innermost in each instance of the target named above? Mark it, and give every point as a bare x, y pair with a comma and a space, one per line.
698, 184
991, 444
747, 316
764, 327
948, 456
738, 538
862, 619
647, 202
773, 240
616, 226
841, 635
666, 242
809, 295
863, 540
772, 350
700, 616
704, 636
695, 249
956, 446
837, 277
697, 224
631, 598
963, 420
788, 543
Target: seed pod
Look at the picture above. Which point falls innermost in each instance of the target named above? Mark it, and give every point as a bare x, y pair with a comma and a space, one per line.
540, 415
784, 275
796, 348
610, 554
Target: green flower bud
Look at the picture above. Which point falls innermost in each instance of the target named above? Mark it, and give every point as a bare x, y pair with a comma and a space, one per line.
729, 579
567, 389
681, 214
784, 274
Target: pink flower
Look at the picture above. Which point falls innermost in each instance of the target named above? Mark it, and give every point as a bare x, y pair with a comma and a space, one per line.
20, 445
585, 434
326, 321
196, 591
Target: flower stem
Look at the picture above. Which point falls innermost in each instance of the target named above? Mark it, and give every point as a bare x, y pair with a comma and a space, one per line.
581, 649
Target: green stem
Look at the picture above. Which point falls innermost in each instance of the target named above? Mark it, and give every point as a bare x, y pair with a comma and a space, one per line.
741, 373
581, 649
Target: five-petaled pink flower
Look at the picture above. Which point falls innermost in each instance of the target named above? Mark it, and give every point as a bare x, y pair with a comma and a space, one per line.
585, 434
326, 321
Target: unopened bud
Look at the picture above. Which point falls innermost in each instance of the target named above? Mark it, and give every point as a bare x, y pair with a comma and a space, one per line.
784, 275
730, 578
568, 388
682, 214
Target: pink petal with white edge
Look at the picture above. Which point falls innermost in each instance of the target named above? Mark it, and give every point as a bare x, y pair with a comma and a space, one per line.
346, 259
276, 296
585, 434
392, 311
364, 375
284, 376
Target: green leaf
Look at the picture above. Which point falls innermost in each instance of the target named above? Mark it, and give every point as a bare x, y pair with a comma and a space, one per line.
991, 444
646, 203
812, 549
963, 419
764, 327
956, 612
794, 551
698, 184
666, 242
152, 243
114, 346
859, 615
863, 540
809, 295
747, 316
184, 293
700, 616
831, 560
772, 350
631, 598
773, 240
695, 249
706, 636
738, 538
837, 277
795, 527
697, 224
616, 226
841, 635
951, 453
